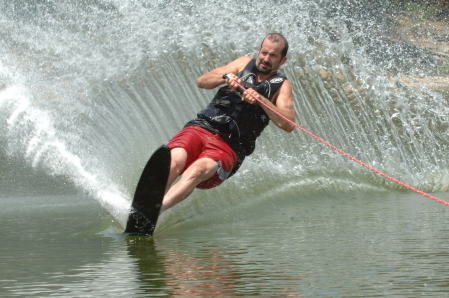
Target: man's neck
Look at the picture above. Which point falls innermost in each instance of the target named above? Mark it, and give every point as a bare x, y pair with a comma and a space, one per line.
264, 76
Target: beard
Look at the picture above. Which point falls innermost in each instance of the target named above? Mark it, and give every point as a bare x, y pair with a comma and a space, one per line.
269, 68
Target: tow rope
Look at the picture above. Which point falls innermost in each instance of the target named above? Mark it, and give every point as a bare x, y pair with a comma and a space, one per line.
340, 151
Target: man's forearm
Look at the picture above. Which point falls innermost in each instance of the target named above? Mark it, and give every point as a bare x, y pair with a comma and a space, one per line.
210, 80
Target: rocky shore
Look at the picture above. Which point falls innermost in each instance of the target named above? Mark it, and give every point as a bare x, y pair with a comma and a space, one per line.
425, 26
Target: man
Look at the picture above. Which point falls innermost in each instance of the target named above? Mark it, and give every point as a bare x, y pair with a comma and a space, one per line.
212, 147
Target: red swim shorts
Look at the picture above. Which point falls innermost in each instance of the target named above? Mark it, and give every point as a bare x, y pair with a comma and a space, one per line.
199, 143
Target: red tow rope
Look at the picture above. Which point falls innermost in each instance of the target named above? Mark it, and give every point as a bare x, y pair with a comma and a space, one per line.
403, 184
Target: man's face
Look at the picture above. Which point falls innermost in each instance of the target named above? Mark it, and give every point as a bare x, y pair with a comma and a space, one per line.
269, 58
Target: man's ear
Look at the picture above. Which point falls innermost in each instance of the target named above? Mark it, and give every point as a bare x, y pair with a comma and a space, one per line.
283, 60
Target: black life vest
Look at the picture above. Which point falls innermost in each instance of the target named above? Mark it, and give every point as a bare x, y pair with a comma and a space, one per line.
238, 122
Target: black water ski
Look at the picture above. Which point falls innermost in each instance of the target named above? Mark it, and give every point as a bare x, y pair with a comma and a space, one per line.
149, 193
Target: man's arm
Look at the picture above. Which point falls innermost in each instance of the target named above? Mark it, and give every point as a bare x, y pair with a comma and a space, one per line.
284, 105
214, 78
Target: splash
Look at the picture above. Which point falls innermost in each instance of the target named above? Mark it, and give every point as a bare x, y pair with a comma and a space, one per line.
32, 129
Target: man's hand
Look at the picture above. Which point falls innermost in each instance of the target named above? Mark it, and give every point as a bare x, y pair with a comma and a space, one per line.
251, 96
233, 82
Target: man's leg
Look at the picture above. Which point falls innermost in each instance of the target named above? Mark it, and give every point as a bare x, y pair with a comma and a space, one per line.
199, 171
177, 164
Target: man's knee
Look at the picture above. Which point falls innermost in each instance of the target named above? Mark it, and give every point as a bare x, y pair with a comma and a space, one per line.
201, 169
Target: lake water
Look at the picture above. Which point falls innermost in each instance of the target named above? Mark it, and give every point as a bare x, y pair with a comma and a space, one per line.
345, 245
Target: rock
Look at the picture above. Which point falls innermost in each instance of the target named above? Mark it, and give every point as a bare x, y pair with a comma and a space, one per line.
432, 82
324, 74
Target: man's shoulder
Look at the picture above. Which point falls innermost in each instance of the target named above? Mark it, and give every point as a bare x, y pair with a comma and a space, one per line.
286, 87
242, 61
247, 58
